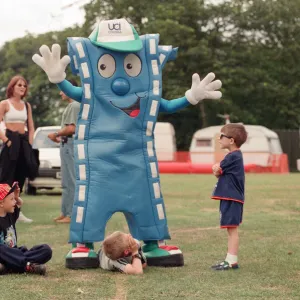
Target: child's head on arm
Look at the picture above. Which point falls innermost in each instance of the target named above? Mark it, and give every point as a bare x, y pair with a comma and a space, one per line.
233, 136
118, 245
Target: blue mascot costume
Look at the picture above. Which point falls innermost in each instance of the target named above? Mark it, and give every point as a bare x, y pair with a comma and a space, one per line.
116, 164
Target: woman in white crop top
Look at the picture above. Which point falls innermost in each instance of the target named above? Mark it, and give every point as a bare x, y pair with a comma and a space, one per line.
13, 110
14, 114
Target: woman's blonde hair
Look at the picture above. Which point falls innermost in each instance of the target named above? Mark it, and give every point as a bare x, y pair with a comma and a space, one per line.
115, 245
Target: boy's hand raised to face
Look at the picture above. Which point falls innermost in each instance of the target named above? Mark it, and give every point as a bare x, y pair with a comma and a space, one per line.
134, 246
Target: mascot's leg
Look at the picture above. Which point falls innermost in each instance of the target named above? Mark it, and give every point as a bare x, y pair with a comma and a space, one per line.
82, 256
88, 226
160, 255
83, 230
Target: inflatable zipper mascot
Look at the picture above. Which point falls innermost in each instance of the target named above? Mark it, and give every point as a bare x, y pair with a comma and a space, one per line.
115, 159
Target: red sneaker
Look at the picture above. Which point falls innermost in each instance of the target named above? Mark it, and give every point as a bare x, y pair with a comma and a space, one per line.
32, 268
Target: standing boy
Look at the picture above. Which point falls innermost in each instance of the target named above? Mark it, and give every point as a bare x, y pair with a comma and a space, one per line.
230, 190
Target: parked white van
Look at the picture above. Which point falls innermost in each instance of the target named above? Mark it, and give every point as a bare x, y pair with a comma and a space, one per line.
49, 170
260, 144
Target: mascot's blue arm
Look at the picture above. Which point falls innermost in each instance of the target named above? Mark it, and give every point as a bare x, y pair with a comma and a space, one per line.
173, 105
73, 92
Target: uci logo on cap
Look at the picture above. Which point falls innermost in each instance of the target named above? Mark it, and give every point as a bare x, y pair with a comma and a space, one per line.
114, 27
117, 35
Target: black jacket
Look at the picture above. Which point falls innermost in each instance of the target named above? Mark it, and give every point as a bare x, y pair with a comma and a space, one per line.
9, 155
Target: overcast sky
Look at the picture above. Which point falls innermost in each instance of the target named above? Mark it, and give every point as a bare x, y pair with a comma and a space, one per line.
40, 16
37, 16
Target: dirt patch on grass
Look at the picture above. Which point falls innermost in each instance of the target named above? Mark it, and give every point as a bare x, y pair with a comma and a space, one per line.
121, 292
34, 288
184, 194
280, 288
209, 209
81, 277
281, 212
296, 277
195, 229
50, 277
275, 186
271, 201
39, 227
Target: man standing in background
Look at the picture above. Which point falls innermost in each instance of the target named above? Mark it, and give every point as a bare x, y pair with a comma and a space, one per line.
65, 137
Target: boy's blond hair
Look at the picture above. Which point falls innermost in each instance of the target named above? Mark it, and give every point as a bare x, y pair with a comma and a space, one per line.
115, 245
237, 132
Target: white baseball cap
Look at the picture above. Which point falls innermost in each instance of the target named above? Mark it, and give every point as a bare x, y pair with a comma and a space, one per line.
117, 35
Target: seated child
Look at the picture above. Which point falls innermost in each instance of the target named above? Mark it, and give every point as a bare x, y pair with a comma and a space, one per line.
12, 258
230, 190
121, 252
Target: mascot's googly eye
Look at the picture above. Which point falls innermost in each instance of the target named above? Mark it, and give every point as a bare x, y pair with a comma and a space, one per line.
132, 65
106, 66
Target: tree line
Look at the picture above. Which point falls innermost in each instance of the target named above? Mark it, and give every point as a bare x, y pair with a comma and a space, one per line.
251, 45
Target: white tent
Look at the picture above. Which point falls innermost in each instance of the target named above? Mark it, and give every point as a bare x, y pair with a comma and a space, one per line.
260, 144
165, 141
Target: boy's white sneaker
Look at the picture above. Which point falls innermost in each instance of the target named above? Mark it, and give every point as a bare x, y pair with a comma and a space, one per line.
24, 219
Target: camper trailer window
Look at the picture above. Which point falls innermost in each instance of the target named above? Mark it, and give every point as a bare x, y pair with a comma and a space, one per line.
203, 143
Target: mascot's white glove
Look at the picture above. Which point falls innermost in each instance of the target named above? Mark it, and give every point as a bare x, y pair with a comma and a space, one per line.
51, 63
205, 89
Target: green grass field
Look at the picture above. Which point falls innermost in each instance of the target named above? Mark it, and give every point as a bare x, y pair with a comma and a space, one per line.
269, 247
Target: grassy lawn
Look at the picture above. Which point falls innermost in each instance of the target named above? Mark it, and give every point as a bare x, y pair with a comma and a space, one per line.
269, 247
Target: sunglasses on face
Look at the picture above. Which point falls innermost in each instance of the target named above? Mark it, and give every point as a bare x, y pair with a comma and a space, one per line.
223, 135
22, 85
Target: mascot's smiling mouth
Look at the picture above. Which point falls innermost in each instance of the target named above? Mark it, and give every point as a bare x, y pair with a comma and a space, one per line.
133, 110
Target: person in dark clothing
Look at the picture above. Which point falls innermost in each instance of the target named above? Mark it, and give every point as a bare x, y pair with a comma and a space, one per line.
13, 258
230, 190
16, 155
